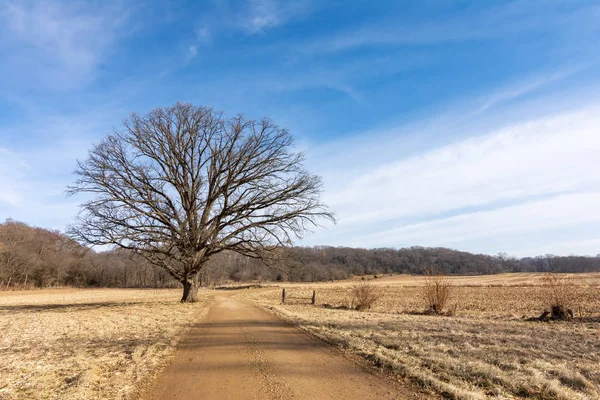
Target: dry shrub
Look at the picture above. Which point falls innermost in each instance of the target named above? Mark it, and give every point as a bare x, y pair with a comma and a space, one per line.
363, 295
437, 290
560, 295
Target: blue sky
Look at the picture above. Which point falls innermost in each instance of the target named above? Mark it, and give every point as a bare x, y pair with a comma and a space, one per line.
466, 124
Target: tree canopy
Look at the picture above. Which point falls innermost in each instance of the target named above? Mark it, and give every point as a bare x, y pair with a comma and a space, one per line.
184, 183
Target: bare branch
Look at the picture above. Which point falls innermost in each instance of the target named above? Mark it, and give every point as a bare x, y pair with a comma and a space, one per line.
183, 183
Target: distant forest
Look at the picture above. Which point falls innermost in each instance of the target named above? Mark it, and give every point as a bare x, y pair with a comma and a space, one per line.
36, 257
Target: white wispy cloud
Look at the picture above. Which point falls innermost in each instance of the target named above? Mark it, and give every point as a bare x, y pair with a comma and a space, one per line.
531, 175
589, 247
203, 35
54, 43
561, 211
35, 172
33, 184
251, 17
192, 52
524, 87
264, 14
475, 22
12, 169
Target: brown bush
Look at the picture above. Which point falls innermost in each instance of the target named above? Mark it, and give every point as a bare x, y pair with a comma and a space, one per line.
363, 295
560, 295
436, 291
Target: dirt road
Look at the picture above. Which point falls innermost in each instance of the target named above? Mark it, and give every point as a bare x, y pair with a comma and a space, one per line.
242, 352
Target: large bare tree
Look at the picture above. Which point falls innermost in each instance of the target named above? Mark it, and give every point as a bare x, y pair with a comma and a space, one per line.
184, 183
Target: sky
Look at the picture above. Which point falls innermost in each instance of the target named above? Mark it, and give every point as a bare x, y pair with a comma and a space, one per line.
473, 125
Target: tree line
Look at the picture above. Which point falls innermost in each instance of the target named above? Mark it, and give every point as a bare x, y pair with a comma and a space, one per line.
37, 257
330, 263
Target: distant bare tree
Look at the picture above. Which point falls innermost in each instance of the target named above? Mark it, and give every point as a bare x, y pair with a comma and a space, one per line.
183, 183
34, 256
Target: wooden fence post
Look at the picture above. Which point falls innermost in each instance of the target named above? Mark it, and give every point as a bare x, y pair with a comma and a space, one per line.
283, 296
314, 298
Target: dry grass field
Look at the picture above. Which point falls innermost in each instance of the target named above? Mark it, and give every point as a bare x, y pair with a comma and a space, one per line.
486, 350
107, 343
88, 344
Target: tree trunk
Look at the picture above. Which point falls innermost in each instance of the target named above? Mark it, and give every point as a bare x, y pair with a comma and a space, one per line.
190, 290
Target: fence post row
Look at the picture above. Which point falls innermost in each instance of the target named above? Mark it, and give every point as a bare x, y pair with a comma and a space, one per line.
313, 301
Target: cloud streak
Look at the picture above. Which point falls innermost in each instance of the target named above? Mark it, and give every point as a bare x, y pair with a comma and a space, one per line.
523, 88
561, 211
59, 45
33, 184
477, 22
528, 176
11, 173
264, 14
249, 18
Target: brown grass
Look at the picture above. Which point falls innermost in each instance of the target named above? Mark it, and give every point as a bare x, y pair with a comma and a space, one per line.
488, 350
87, 344
507, 279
